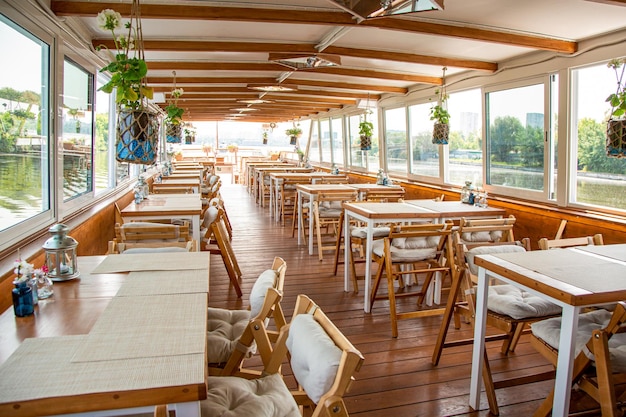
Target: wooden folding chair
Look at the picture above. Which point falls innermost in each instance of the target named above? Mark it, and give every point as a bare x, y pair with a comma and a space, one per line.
596, 361
335, 179
545, 244
153, 237
486, 230
327, 209
228, 350
423, 249
323, 362
288, 195
393, 194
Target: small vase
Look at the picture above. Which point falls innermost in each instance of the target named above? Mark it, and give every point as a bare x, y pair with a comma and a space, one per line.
22, 299
44, 287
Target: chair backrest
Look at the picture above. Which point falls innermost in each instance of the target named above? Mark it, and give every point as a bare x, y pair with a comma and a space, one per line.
385, 195
466, 251
322, 359
545, 244
335, 179
420, 236
151, 232
157, 189
487, 230
334, 199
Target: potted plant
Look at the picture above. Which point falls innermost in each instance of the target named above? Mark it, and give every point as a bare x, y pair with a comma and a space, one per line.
293, 133
265, 136
439, 113
616, 125
190, 134
178, 155
137, 127
232, 147
173, 120
366, 130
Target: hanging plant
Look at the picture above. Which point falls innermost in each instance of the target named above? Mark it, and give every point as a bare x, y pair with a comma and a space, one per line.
293, 133
174, 118
366, 130
616, 125
265, 137
439, 113
137, 127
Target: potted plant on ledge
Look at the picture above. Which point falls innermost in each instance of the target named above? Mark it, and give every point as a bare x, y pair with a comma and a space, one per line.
293, 133
439, 113
137, 126
616, 125
366, 130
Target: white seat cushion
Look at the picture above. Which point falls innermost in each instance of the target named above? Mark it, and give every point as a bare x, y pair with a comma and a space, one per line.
550, 331
361, 232
513, 302
400, 254
314, 356
486, 236
489, 250
264, 397
224, 328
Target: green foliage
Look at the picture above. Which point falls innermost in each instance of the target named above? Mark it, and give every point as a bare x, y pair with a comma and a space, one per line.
294, 131
617, 100
439, 112
530, 146
174, 114
592, 149
102, 131
503, 136
366, 128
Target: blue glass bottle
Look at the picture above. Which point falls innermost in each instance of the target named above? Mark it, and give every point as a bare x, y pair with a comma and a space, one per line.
22, 299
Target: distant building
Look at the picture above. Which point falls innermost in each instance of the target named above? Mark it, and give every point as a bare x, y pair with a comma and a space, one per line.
470, 122
534, 120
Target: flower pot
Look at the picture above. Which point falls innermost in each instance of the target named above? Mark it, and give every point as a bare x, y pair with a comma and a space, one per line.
616, 138
173, 133
293, 140
440, 133
137, 136
264, 141
366, 143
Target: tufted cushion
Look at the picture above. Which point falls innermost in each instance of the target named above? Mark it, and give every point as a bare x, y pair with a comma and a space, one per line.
550, 331
330, 212
489, 250
266, 280
314, 356
264, 397
487, 236
416, 242
361, 232
404, 255
513, 302
224, 328
335, 205
153, 250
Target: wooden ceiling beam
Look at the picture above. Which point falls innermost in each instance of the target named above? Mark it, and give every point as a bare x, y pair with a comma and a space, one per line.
303, 98
317, 17
210, 80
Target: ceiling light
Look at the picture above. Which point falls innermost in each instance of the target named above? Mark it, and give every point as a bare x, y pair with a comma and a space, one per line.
271, 88
244, 109
371, 9
305, 61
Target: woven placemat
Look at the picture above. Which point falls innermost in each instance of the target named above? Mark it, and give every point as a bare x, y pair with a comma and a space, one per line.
143, 283
165, 261
27, 374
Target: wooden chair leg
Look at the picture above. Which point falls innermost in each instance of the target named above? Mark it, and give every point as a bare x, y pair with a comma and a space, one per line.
490, 389
447, 316
338, 243
392, 299
606, 385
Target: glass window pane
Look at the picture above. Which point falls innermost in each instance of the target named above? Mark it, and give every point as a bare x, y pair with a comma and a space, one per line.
77, 131
102, 149
515, 139
314, 150
424, 154
325, 140
600, 180
395, 139
24, 137
465, 142
337, 140
357, 158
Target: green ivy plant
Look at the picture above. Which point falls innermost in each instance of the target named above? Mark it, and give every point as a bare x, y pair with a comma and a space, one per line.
617, 100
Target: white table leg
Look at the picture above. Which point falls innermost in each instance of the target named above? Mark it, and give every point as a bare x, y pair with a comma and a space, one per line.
347, 246
479, 339
565, 361
190, 409
368, 265
311, 224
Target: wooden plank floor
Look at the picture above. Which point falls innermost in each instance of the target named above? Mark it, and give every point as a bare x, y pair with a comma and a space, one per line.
397, 378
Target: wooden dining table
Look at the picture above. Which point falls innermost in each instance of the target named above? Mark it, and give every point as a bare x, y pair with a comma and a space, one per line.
173, 182
276, 178
120, 339
566, 277
167, 207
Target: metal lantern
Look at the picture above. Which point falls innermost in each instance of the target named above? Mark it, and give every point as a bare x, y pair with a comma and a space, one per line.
61, 257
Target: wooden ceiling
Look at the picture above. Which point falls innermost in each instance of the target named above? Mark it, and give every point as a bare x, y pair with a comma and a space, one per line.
219, 50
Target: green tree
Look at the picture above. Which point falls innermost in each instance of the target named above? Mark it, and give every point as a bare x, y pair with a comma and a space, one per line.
102, 131
592, 149
530, 146
503, 136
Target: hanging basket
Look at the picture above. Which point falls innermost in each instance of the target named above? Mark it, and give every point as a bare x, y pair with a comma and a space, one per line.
616, 138
137, 136
293, 140
366, 143
189, 139
173, 132
440, 133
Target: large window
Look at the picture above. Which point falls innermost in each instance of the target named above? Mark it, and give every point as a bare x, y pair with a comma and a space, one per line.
325, 140
515, 135
336, 126
465, 161
77, 130
424, 154
395, 139
599, 180
24, 127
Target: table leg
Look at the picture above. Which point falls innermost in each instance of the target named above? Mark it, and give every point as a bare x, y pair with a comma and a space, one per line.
195, 220
271, 199
368, 265
565, 362
190, 409
311, 224
479, 339
299, 219
347, 246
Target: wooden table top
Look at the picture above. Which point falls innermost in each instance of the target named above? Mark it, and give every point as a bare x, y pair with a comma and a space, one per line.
390, 211
164, 204
569, 275
323, 188
166, 181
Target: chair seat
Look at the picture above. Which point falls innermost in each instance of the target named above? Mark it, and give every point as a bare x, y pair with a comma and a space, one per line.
264, 397
224, 328
549, 331
330, 212
377, 232
513, 302
402, 254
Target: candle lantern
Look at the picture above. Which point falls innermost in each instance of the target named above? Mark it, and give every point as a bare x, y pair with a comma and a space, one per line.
61, 257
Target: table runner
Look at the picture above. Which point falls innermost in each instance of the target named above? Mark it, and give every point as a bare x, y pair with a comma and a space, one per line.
142, 283
617, 252
165, 261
